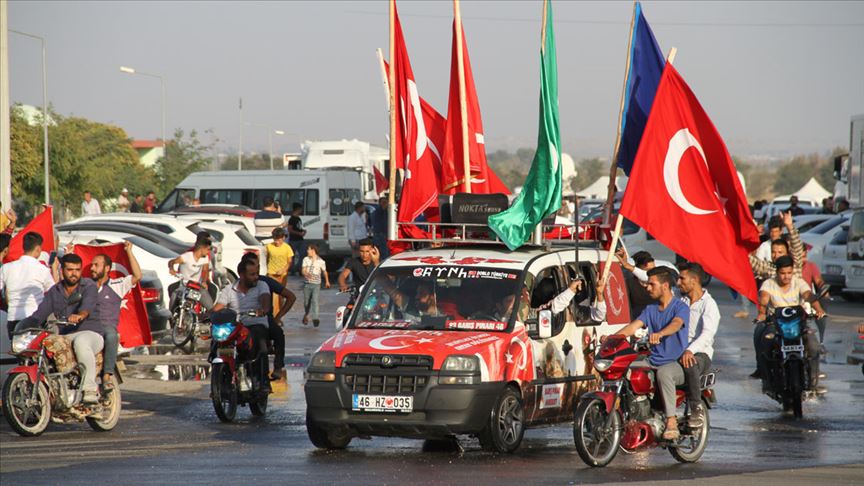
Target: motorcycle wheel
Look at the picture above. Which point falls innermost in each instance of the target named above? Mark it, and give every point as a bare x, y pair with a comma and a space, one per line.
259, 407
223, 393
182, 327
110, 415
793, 396
596, 444
506, 425
326, 439
29, 419
697, 439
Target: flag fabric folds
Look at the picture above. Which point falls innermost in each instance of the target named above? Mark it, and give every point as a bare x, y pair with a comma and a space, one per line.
380, 181
541, 193
44, 225
646, 67
684, 188
134, 326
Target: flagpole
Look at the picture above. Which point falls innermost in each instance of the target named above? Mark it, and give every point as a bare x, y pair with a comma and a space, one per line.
616, 234
463, 106
391, 206
613, 170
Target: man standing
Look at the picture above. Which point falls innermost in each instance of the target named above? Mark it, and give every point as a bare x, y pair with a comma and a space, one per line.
73, 300
110, 293
704, 320
793, 208
775, 231
379, 227
268, 218
90, 205
279, 257
150, 203
25, 281
123, 201
137, 205
295, 237
357, 227
667, 333
360, 267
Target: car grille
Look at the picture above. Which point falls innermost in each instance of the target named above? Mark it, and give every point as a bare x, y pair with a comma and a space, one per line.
404, 375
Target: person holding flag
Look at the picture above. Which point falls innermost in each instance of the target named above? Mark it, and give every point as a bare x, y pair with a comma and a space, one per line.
23, 282
111, 293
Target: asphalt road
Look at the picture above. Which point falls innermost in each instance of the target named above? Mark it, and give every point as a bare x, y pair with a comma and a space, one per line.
169, 433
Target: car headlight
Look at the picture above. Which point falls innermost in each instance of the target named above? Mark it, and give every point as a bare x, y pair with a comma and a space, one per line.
602, 364
21, 342
322, 367
461, 363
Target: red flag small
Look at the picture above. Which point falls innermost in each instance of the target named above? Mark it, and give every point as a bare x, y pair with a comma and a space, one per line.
44, 225
685, 191
134, 326
380, 181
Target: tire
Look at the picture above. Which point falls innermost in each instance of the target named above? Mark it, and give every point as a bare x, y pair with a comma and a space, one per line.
182, 327
259, 407
222, 392
698, 440
794, 388
111, 414
596, 444
506, 426
28, 419
326, 439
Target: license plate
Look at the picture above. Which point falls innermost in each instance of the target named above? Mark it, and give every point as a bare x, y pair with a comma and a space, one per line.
833, 269
382, 403
793, 349
337, 232
858, 271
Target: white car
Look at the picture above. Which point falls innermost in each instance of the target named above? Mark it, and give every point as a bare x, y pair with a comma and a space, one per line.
150, 256
806, 222
834, 259
246, 222
818, 236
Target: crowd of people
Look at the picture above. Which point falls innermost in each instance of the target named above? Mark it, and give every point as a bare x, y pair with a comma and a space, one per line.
125, 203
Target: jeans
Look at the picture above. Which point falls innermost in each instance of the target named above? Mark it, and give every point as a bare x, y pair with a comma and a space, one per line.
10, 328
310, 299
276, 333
693, 378
259, 335
759, 345
86, 344
112, 340
669, 376
822, 323
299, 249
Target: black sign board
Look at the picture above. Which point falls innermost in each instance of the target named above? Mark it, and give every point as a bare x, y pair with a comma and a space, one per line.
471, 208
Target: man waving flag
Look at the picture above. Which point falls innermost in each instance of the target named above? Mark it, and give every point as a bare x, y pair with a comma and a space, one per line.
541, 194
685, 191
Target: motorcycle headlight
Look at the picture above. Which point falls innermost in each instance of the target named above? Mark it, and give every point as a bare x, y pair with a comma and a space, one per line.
21, 342
602, 364
221, 332
461, 363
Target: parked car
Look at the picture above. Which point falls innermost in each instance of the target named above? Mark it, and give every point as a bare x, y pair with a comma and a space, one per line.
220, 209
818, 236
834, 259
806, 222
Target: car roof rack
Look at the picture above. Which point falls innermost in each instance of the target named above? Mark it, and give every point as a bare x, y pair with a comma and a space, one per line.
440, 234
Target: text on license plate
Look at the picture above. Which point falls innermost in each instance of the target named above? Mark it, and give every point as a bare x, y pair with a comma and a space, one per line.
833, 269
857, 271
793, 349
382, 403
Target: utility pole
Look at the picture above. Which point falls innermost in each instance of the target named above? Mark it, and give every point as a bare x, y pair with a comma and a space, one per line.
240, 147
5, 132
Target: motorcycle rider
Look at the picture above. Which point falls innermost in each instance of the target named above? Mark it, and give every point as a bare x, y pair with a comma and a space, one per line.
110, 299
704, 320
667, 324
247, 294
192, 265
73, 299
361, 266
786, 290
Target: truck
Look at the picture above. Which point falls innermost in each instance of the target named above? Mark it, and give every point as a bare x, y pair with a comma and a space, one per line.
849, 172
347, 154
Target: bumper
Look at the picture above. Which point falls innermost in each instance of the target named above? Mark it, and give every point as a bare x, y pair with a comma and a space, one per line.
158, 317
439, 410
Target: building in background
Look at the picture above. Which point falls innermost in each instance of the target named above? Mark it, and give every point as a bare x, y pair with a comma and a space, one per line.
149, 151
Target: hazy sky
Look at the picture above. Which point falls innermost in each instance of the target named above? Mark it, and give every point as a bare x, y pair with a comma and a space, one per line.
776, 77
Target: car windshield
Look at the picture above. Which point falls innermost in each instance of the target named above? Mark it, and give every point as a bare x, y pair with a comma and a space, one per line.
438, 297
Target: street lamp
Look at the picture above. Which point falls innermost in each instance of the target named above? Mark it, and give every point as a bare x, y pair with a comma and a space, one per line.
44, 110
129, 70
270, 133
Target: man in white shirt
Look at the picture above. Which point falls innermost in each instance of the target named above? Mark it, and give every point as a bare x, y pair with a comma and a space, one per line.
90, 205
704, 320
25, 281
775, 231
193, 265
357, 226
123, 201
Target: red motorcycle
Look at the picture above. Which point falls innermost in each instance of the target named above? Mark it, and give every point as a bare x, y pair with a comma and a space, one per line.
626, 412
239, 369
47, 385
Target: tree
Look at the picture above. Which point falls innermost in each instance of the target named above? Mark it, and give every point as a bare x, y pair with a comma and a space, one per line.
26, 157
587, 171
186, 154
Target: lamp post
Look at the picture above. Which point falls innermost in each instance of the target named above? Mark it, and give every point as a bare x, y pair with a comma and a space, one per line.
129, 70
270, 133
44, 111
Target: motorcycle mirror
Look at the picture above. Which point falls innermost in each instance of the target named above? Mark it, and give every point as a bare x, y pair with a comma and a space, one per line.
340, 316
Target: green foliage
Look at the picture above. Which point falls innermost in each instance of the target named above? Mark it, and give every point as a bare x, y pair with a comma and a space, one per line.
185, 155
251, 162
587, 171
26, 157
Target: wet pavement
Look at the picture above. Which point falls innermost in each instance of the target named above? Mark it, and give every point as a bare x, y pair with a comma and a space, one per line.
169, 433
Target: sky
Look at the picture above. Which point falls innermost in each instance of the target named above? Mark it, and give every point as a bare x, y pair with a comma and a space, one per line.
776, 77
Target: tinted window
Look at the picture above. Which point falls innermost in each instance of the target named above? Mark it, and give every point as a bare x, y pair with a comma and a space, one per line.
342, 201
150, 247
311, 202
840, 238
224, 196
826, 226
246, 237
217, 235
178, 198
164, 228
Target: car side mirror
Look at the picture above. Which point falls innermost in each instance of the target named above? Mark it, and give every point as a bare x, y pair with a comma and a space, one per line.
544, 328
340, 316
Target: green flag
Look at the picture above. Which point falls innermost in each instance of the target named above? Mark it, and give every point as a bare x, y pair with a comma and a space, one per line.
541, 194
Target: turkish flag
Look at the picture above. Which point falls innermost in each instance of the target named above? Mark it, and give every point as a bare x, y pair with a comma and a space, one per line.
483, 179
43, 224
684, 189
380, 181
134, 327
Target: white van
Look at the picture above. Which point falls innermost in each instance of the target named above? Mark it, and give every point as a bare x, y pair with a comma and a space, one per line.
327, 197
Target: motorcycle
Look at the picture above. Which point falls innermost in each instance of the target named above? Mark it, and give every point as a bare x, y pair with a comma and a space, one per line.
789, 374
189, 317
343, 313
626, 412
47, 385
239, 369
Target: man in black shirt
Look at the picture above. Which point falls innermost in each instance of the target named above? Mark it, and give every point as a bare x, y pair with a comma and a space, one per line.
295, 237
359, 268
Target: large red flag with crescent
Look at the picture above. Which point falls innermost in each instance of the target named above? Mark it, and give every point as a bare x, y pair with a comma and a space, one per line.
44, 225
134, 326
685, 191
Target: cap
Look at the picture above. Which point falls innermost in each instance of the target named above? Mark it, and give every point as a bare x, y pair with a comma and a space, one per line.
125, 190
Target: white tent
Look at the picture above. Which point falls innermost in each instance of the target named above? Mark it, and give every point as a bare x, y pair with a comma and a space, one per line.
600, 188
812, 191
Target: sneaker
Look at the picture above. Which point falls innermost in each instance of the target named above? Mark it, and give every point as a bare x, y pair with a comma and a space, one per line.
741, 315
315, 322
756, 375
697, 417
90, 396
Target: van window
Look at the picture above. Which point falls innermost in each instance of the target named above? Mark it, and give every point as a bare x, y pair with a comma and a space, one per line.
177, 199
225, 196
342, 201
586, 296
311, 202
286, 199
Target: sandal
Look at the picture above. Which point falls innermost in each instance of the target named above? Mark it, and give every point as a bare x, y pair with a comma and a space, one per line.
108, 384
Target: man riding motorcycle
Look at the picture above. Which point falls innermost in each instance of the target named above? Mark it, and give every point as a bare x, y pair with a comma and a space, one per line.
704, 320
73, 300
667, 324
